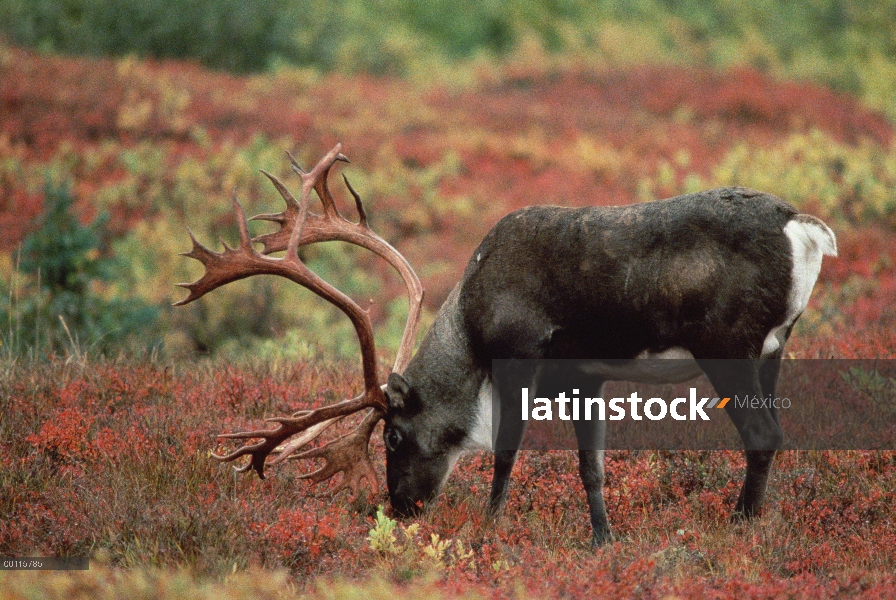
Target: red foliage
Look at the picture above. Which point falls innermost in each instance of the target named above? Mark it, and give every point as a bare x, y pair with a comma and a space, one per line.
748, 98
64, 436
116, 457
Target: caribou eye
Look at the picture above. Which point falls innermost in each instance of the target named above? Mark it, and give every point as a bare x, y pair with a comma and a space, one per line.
393, 439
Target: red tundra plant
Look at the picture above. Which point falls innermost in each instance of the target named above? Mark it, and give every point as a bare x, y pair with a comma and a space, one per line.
134, 478
63, 438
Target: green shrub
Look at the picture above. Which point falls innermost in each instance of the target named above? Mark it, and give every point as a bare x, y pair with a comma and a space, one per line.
62, 300
840, 182
845, 44
856, 184
227, 34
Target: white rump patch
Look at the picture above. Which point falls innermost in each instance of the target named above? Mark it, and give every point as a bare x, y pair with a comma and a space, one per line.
810, 239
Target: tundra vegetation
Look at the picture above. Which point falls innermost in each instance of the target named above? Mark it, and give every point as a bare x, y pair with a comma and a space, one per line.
451, 119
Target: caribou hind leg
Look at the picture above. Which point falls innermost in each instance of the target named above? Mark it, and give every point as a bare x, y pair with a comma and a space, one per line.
591, 440
591, 470
591, 437
758, 427
768, 379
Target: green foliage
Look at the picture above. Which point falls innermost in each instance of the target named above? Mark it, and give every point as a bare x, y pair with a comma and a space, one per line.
879, 389
408, 553
261, 316
229, 34
381, 537
842, 182
63, 303
62, 251
846, 44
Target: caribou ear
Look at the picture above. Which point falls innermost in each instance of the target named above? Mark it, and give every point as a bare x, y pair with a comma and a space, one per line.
397, 391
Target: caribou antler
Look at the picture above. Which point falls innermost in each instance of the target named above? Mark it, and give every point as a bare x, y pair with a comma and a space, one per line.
347, 454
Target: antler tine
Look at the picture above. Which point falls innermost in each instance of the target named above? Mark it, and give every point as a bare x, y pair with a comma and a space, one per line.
362, 214
295, 166
316, 179
284, 451
293, 219
217, 272
347, 455
242, 225
311, 425
291, 202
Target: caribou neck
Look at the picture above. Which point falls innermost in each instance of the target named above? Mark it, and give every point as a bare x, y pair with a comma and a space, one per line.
443, 370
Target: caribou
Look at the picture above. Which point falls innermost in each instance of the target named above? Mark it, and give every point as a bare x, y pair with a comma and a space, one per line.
721, 274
